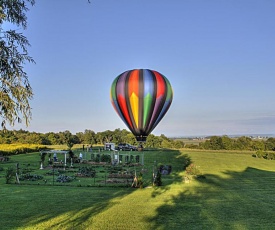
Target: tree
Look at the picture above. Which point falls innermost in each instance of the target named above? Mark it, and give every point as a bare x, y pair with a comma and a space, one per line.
69, 139
270, 144
226, 143
178, 144
153, 141
106, 136
15, 92
89, 137
53, 138
243, 143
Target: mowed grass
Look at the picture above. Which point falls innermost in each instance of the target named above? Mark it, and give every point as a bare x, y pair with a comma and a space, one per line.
237, 193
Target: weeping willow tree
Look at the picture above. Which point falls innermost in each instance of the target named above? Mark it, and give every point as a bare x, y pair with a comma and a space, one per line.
15, 89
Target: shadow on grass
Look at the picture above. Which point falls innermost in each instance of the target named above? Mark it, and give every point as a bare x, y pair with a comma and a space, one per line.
239, 200
175, 158
55, 207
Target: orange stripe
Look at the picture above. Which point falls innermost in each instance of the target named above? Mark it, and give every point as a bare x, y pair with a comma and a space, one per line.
133, 82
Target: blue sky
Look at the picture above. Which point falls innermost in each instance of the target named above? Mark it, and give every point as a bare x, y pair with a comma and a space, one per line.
218, 55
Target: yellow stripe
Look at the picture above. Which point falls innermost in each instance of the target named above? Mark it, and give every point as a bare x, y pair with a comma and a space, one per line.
134, 107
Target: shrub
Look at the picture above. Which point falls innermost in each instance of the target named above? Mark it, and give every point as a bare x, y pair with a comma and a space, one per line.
265, 155
157, 179
97, 159
138, 182
87, 171
10, 175
105, 158
64, 179
192, 170
30, 177
270, 156
259, 154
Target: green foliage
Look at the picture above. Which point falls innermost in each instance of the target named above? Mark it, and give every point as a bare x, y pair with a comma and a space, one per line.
178, 144
64, 178
30, 177
270, 144
71, 154
241, 143
97, 158
153, 141
10, 175
140, 180
105, 158
264, 155
87, 171
16, 91
66, 138
192, 146
88, 137
193, 170
157, 179
118, 136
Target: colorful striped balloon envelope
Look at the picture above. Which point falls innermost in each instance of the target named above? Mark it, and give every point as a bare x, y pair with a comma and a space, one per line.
141, 97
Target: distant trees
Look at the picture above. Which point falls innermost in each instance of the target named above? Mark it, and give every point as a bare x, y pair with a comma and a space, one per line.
87, 137
153, 141
123, 136
241, 143
270, 144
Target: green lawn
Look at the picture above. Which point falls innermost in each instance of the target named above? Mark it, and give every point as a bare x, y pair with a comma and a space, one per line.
237, 193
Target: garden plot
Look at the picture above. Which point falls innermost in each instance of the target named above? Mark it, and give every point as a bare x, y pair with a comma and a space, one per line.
100, 170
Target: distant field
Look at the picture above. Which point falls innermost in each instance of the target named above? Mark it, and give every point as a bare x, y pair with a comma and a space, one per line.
236, 193
190, 140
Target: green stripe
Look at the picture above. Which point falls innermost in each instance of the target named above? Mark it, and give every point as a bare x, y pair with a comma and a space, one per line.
113, 89
169, 90
147, 106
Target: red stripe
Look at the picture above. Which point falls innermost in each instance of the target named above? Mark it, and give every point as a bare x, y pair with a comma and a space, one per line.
161, 86
123, 106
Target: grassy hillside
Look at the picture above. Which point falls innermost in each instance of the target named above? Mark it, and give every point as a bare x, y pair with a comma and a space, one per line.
236, 193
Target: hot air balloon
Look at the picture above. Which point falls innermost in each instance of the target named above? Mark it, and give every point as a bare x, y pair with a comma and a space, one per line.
141, 97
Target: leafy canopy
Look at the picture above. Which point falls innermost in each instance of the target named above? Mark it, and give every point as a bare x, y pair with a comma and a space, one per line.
15, 89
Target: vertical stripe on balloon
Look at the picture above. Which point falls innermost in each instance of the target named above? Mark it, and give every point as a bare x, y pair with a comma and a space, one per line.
133, 87
148, 96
